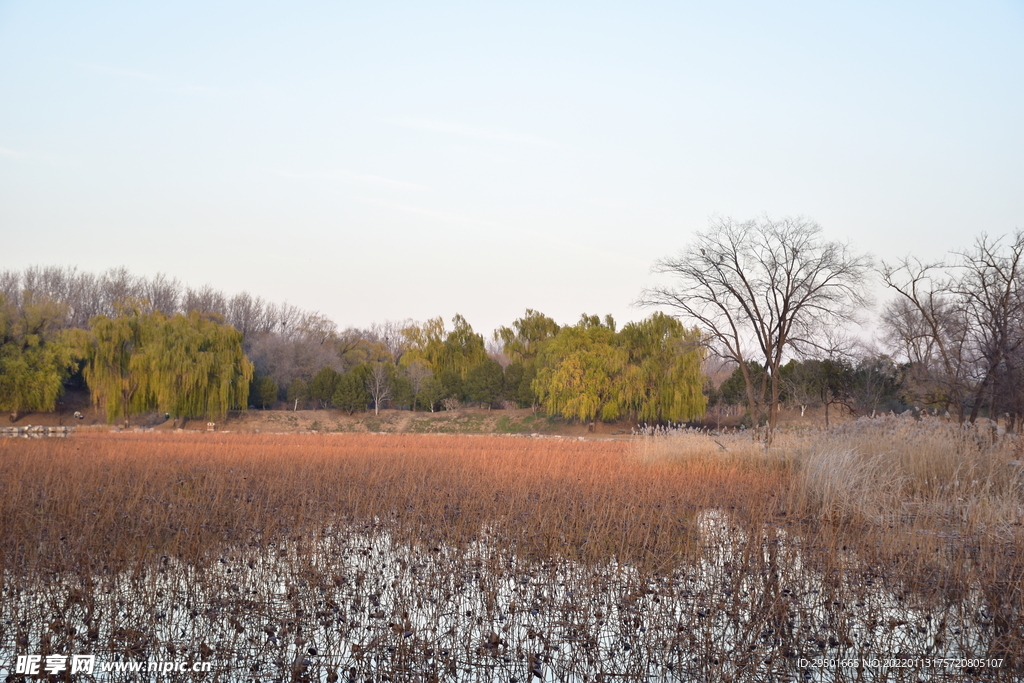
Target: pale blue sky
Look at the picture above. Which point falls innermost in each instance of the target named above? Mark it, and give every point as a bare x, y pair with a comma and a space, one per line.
393, 160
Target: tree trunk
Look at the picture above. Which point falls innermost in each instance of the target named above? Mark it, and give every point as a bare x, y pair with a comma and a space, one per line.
773, 408
126, 397
977, 398
754, 406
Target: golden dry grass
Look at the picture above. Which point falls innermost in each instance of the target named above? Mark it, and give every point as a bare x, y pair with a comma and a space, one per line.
931, 508
888, 470
121, 499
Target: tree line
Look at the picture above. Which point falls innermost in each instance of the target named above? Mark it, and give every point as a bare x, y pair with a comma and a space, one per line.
777, 300
153, 344
773, 299
861, 384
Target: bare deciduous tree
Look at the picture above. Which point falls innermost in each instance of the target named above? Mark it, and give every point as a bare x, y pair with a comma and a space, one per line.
960, 327
285, 319
760, 289
317, 328
248, 314
991, 289
929, 328
84, 300
163, 293
378, 385
205, 301
286, 360
390, 335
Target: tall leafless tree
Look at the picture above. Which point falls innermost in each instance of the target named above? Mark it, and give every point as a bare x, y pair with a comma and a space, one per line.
317, 328
960, 326
117, 288
248, 315
205, 301
378, 385
10, 287
390, 336
163, 293
927, 324
84, 300
285, 319
761, 289
991, 287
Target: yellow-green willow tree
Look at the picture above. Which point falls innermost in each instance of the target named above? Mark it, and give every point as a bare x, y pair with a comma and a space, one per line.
454, 352
190, 366
651, 370
521, 343
664, 378
578, 369
114, 364
523, 340
34, 355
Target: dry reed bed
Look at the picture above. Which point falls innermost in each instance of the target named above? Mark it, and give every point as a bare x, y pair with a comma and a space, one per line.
391, 557
118, 501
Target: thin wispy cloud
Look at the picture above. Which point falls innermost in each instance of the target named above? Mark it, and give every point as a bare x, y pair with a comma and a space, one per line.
348, 177
497, 134
10, 153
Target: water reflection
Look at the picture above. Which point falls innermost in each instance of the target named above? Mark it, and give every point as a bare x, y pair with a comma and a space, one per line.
36, 432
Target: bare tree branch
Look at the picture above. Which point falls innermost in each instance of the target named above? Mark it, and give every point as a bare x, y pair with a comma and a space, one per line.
761, 289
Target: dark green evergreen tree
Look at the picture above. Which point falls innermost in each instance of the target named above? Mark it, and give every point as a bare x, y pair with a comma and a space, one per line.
350, 394
484, 382
263, 391
323, 386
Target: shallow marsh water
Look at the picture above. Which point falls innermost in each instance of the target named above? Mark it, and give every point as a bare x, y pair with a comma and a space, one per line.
356, 605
